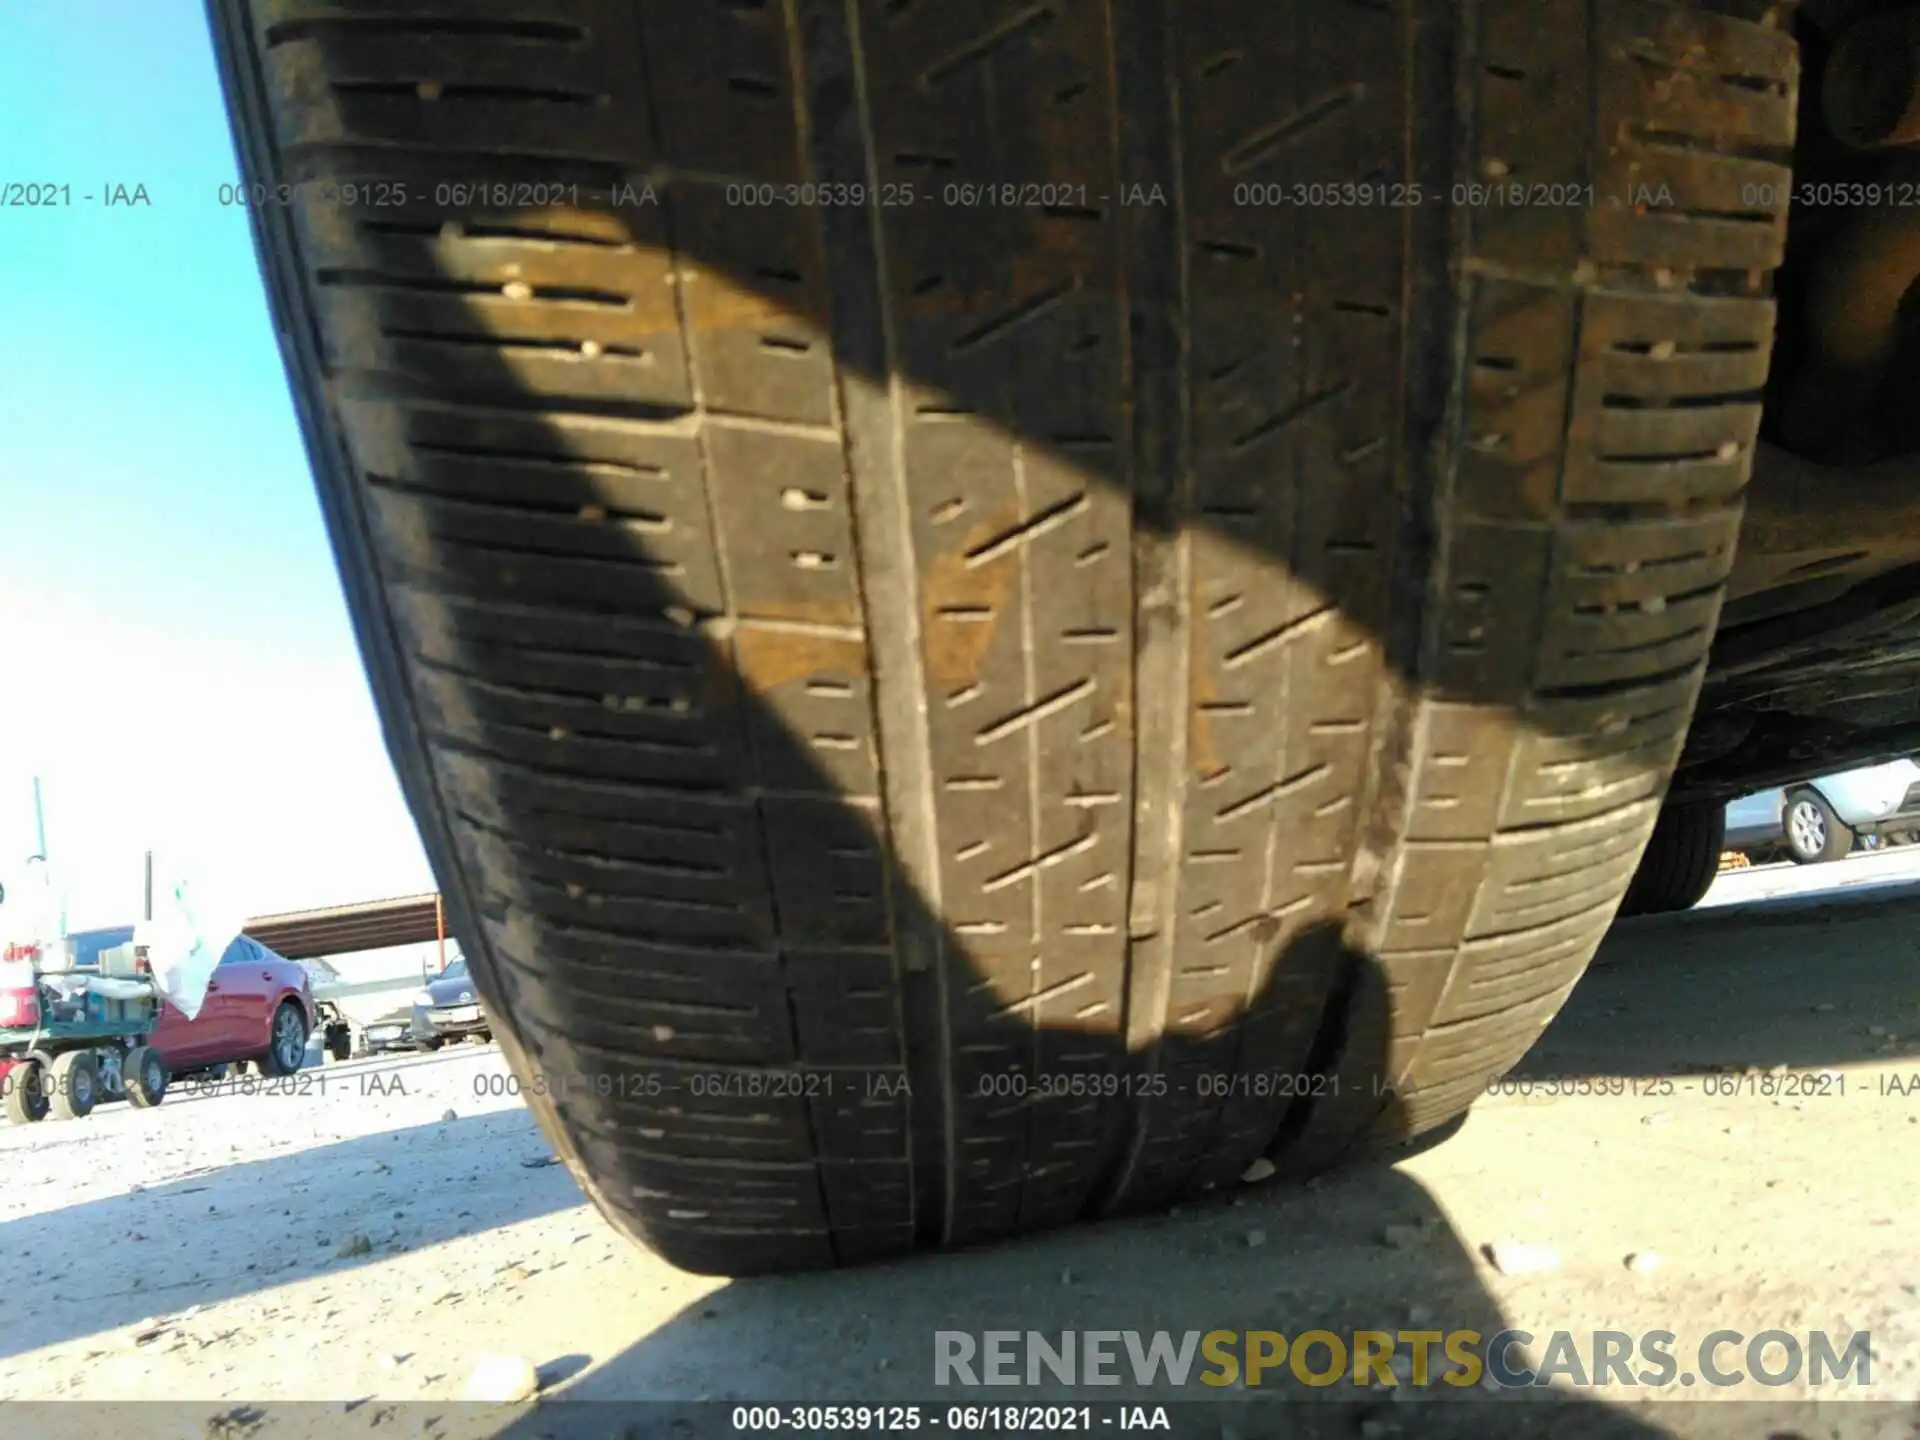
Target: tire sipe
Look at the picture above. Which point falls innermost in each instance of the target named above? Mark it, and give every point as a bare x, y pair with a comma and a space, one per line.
990, 613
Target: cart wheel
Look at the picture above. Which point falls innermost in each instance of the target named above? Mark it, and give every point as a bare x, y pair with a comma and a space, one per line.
145, 1074
26, 1093
75, 1081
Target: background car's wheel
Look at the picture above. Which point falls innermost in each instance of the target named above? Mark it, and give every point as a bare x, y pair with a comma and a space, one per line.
145, 1076
286, 1042
1680, 861
73, 1084
432, 1042
25, 1093
1814, 833
1067, 663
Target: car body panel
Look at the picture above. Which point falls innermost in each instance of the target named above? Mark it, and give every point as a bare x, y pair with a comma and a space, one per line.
1756, 819
1868, 796
455, 1008
185, 1043
207, 1038
391, 1031
249, 985
254, 989
234, 992
1868, 800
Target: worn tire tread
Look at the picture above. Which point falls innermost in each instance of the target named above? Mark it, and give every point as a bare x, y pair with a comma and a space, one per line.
1182, 642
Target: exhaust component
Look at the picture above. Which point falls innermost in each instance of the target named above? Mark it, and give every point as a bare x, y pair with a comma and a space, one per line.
1854, 309
1871, 84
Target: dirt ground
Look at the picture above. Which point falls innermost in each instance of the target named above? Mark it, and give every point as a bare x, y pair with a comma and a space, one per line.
361, 1243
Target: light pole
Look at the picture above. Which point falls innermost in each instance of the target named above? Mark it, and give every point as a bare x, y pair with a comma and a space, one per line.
39, 857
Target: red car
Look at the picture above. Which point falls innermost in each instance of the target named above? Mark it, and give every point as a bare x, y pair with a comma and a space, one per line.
259, 1007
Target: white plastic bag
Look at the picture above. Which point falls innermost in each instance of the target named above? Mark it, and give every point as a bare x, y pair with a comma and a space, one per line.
183, 950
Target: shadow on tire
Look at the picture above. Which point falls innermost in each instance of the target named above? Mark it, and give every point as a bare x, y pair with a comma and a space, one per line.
634, 707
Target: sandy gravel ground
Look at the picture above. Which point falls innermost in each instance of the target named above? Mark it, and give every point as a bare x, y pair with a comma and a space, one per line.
1891, 866
362, 1241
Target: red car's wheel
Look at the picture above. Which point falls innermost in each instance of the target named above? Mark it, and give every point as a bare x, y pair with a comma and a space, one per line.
286, 1043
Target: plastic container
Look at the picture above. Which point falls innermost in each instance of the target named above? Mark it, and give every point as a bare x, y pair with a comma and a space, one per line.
19, 993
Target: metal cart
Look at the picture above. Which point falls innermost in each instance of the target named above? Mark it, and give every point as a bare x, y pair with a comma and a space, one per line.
72, 1036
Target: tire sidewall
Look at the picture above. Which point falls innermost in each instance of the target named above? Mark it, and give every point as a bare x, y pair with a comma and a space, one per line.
273, 1063
1680, 862
26, 1095
145, 1078
76, 1086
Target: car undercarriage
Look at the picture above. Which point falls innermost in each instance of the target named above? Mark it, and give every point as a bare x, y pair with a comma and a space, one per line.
1817, 657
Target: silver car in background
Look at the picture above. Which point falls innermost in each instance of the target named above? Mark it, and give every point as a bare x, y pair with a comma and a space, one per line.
1824, 819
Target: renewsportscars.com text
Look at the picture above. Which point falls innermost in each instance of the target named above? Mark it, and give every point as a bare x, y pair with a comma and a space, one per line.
1388, 1358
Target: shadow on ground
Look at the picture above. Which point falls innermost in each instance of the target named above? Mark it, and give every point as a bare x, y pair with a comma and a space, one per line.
1286, 1258
1364, 1247
1277, 1258
1804, 982
239, 1229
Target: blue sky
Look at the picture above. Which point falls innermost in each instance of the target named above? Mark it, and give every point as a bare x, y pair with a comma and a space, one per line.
175, 658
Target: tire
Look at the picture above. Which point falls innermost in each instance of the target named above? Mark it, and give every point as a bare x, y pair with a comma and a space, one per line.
1813, 832
1680, 861
286, 1042
25, 1094
429, 1046
340, 1043
1046, 669
73, 1084
145, 1075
